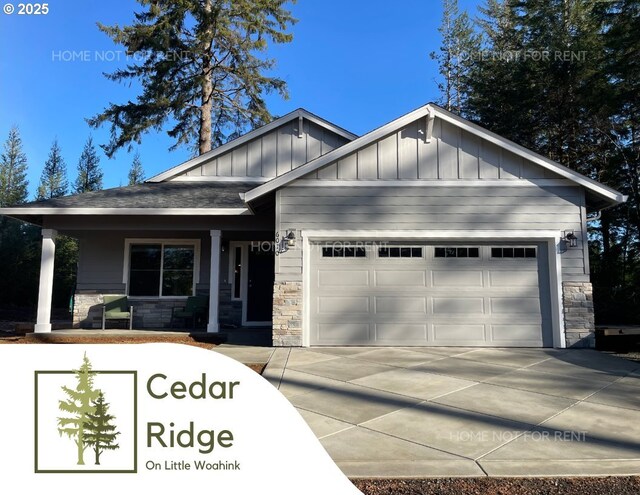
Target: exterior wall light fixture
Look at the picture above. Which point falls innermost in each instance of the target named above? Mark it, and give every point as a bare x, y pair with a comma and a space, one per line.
570, 238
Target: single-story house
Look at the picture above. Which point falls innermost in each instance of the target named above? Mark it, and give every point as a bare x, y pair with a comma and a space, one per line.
427, 231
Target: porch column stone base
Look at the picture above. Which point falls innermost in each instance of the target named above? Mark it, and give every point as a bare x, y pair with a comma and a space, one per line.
87, 310
579, 321
287, 314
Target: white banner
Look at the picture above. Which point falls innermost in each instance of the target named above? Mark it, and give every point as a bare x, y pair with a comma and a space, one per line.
161, 418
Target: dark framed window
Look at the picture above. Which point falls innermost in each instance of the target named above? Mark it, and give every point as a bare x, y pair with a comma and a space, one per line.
161, 270
344, 251
513, 252
237, 272
400, 252
457, 252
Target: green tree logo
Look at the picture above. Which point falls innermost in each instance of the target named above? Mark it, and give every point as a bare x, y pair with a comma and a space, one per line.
102, 432
89, 423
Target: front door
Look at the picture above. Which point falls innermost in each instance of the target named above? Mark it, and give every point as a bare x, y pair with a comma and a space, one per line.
260, 275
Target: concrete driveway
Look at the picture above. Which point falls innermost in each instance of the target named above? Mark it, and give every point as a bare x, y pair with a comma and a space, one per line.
422, 412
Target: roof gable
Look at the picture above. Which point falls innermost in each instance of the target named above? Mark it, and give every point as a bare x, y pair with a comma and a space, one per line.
431, 143
266, 152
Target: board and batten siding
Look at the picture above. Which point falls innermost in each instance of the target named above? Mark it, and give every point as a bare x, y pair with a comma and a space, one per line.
451, 154
435, 208
273, 153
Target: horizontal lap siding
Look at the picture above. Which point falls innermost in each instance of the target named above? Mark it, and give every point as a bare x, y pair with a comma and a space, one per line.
101, 258
432, 209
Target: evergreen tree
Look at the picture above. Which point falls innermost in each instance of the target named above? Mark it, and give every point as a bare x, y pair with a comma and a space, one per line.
13, 171
204, 71
457, 51
80, 405
19, 241
101, 432
53, 181
561, 77
89, 173
136, 172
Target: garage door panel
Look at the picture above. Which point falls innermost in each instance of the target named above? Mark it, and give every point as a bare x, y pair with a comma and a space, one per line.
457, 278
401, 305
455, 296
516, 332
349, 333
511, 278
343, 278
343, 305
447, 306
515, 305
400, 278
394, 332
458, 333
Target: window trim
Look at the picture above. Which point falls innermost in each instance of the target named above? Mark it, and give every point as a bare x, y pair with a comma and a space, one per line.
163, 242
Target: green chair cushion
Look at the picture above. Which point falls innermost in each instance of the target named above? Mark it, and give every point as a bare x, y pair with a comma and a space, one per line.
115, 315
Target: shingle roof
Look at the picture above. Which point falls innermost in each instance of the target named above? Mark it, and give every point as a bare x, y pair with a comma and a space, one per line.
155, 195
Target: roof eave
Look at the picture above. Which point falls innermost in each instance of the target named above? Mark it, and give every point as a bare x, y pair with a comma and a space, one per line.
42, 211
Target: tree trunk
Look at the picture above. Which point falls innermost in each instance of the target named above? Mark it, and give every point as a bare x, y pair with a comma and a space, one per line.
80, 444
206, 102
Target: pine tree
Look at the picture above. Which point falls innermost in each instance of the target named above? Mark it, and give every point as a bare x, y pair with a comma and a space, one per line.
80, 405
203, 70
53, 181
457, 51
101, 432
13, 171
19, 241
89, 173
136, 172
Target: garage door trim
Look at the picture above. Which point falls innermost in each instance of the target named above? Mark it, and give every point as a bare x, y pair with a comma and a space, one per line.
552, 238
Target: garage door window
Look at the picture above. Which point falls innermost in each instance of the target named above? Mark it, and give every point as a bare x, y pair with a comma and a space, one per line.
457, 252
400, 252
343, 251
513, 252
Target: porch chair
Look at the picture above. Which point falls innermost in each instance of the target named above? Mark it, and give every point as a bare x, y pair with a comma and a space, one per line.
117, 308
196, 306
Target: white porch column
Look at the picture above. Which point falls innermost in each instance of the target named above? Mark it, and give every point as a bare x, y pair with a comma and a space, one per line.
214, 282
45, 293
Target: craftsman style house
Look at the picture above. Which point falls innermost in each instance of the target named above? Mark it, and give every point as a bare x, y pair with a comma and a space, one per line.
427, 231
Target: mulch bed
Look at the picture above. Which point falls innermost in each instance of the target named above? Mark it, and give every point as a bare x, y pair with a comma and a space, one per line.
202, 341
621, 485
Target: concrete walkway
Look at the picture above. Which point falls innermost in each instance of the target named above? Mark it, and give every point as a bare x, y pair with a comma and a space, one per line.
423, 412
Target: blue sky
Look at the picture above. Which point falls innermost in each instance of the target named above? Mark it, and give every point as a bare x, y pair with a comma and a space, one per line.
356, 63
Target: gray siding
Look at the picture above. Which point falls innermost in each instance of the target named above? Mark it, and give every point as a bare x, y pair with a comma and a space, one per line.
432, 209
101, 258
274, 153
451, 154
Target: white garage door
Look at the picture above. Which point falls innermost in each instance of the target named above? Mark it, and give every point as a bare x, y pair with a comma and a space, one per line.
429, 295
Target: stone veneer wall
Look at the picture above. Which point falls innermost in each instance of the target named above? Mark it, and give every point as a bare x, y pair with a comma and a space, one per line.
87, 313
579, 322
229, 311
287, 314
